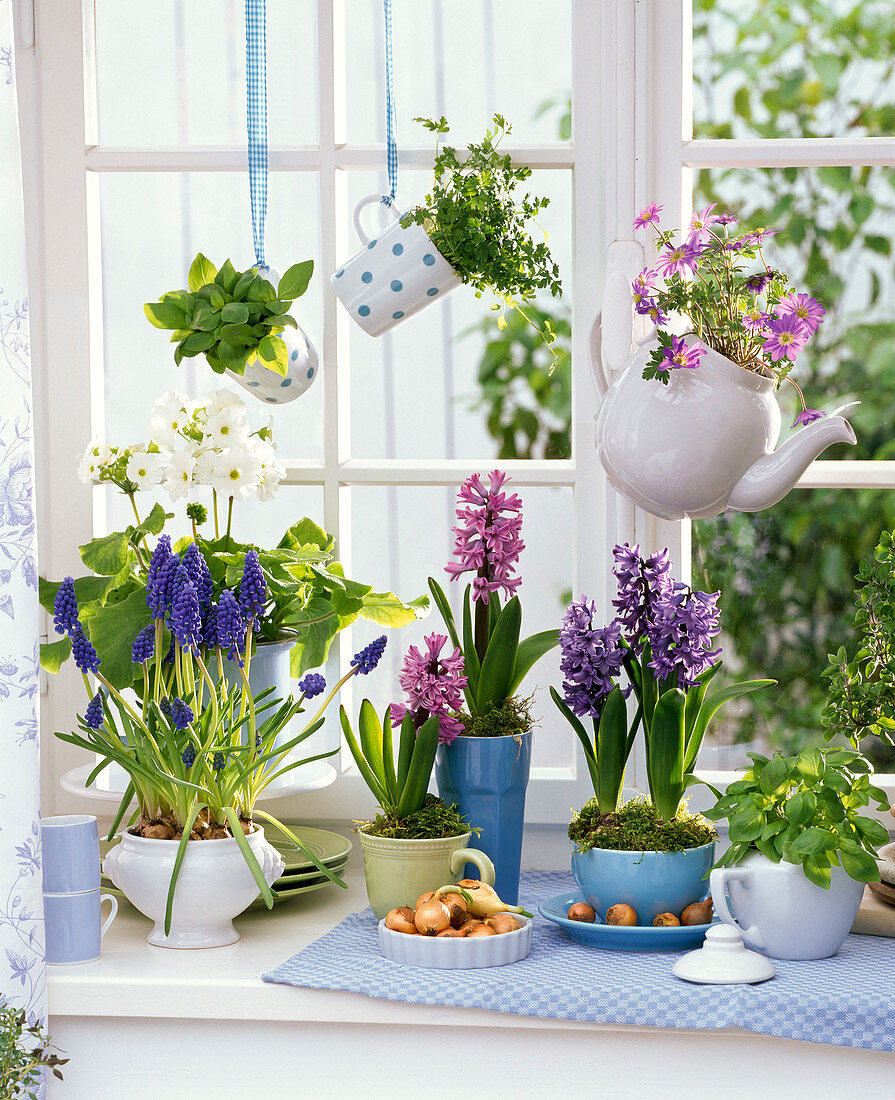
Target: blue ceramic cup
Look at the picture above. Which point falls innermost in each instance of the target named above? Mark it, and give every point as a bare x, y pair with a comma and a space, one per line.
70, 854
72, 926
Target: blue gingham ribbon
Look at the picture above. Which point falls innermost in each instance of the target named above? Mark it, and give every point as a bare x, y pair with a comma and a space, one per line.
390, 119
256, 119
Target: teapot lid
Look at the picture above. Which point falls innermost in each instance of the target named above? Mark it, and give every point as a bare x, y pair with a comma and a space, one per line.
723, 960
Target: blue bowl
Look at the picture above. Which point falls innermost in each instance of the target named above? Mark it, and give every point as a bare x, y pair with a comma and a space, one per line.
650, 882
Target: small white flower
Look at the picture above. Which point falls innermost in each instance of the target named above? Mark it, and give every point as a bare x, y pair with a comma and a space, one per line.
91, 461
227, 428
170, 414
272, 470
179, 474
203, 471
146, 469
236, 473
222, 400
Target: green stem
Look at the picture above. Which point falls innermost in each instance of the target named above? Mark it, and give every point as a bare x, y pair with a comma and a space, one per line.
229, 521
214, 499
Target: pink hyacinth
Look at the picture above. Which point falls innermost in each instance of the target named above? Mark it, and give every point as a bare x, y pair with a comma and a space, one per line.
432, 685
488, 541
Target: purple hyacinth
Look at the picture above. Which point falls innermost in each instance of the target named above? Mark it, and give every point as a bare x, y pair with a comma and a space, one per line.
641, 582
93, 715
65, 608
591, 657
160, 590
218, 761
210, 626
143, 648
252, 588
369, 657
313, 684
197, 568
432, 685
188, 755
86, 657
680, 634
489, 539
181, 714
185, 620
230, 627
160, 555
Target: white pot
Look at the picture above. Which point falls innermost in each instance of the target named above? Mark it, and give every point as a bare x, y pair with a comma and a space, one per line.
703, 442
302, 367
214, 885
394, 275
780, 912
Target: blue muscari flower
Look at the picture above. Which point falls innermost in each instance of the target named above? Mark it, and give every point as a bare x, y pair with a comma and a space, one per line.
252, 588
230, 627
160, 590
144, 645
82, 650
197, 568
165, 705
93, 715
209, 627
218, 761
313, 684
189, 754
160, 555
65, 607
181, 714
185, 621
369, 657
169, 656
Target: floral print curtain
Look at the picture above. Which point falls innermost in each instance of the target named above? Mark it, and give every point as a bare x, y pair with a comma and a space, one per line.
22, 973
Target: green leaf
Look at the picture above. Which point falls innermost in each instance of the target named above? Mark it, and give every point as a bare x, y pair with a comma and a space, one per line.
272, 353
235, 313
369, 776
196, 343
405, 752
799, 809
388, 757
530, 651
112, 631
385, 609
295, 281
165, 315
810, 763
371, 741
813, 841
612, 750
227, 277
88, 590
107, 555
500, 658
873, 832
746, 825
202, 271
445, 610
859, 865
54, 654
774, 776
306, 533
665, 753
413, 796
817, 871
317, 624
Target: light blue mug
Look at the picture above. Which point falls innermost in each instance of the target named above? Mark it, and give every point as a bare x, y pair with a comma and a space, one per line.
72, 926
70, 853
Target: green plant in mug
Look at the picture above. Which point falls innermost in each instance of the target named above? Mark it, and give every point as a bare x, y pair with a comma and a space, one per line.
806, 809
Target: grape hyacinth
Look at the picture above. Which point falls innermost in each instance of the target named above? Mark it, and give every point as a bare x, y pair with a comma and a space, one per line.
488, 541
143, 648
369, 657
432, 685
93, 715
252, 588
65, 608
181, 714
86, 657
313, 684
160, 555
230, 627
197, 569
159, 589
218, 761
591, 657
185, 621
188, 756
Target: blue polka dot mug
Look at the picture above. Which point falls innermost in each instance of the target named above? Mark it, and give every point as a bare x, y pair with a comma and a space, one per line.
393, 276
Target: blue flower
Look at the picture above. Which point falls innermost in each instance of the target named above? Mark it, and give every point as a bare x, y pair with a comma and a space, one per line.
369, 657
160, 590
82, 650
252, 588
185, 620
230, 627
209, 627
144, 645
313, 684
188, 755
160, 555
65, 607
181, 714
93, 715
197, 568
219, 761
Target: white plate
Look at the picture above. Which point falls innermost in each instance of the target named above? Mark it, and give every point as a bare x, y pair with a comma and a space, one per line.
453, 953
309, 777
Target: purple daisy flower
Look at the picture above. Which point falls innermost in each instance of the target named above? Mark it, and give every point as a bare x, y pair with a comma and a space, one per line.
679, 355
648, 216
808, 416
680, 258
806, 310
757, 283
432, 685
755, 320
786, 337
703, 221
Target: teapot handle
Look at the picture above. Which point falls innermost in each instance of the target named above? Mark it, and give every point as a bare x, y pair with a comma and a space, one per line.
618, 331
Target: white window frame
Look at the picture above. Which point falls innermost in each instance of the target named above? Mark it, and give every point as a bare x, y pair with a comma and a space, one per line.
631, 145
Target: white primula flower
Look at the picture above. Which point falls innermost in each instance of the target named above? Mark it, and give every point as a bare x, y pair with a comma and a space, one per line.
170, 415
221, 400
146, 469
92, 460
272, 470
203, 471
179, 475
236, 473
227, 428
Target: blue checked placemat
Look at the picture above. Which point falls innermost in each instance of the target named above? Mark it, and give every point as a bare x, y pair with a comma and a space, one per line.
845, 1000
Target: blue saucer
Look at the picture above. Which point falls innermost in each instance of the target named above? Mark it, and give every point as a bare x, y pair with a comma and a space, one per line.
617, 937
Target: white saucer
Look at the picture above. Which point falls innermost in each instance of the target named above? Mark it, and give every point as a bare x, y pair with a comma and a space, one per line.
309, 777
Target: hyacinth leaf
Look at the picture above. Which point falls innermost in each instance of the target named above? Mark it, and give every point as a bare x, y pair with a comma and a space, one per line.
710, 707
371, 741
405, 750
369, 776
54, 654
649, 691
388, 757
413, 796
696, 694
529, 653
612, 751
178, 863
500, 658
579, 729
494, 613
472, 666
297, 841
665, 753
444, 609
202, 272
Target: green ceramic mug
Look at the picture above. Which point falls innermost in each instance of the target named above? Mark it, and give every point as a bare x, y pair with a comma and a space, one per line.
398, 871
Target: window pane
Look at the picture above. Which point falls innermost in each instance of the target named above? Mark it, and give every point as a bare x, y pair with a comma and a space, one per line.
808, 68
837, 229
787, 585
172, 72
465, 59
399, 552
153, 224
447, 382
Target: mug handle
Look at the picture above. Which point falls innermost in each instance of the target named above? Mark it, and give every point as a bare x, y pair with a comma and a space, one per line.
473, 855
718, 881
112, 915
368, 200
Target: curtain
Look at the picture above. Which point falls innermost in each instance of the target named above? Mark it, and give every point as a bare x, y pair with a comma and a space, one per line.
22, 970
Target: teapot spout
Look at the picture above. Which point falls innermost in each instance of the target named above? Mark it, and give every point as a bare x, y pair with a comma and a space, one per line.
770, 478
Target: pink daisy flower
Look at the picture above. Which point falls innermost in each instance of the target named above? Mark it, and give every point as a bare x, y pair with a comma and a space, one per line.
649, 216
786, 337
805, 309
680, 258
702, 221
679, 355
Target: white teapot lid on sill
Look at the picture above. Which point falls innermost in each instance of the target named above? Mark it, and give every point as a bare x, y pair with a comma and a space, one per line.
723, 960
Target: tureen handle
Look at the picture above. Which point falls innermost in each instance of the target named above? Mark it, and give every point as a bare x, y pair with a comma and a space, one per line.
618, 330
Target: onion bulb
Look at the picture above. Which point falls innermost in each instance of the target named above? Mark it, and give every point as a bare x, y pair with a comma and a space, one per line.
583, 912
423, 897
700, 912
458, 907
621, 914
481, 898
481, 930
503, 922
666, 920
432, 917
401, 920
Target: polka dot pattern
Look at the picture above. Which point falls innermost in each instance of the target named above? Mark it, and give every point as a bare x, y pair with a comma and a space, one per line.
396, 285
397, 249
364, 311
367, 277
428, 259
432, 291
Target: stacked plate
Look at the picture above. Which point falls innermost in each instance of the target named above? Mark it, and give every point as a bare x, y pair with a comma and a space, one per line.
300, 875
